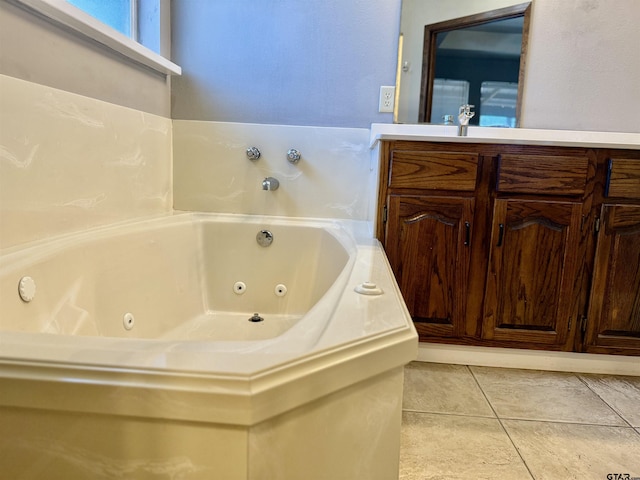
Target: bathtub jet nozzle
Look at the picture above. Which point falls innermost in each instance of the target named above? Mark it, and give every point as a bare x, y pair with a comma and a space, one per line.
256, 318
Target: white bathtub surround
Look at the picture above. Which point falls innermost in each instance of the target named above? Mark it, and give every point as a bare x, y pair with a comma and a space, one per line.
69, 162
321, 399
212, 172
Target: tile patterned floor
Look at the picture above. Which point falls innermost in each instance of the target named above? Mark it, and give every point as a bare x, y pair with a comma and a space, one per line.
478, 423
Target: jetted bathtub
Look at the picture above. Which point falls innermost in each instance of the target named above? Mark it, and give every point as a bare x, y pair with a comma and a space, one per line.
187, 346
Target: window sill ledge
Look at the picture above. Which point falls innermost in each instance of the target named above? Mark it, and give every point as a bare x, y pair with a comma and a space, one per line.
65, 14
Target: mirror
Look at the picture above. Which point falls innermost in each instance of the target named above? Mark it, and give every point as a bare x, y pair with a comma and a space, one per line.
448, 58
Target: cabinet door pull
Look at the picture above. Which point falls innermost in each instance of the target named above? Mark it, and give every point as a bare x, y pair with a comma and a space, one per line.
607, 182
467, 233
500, 234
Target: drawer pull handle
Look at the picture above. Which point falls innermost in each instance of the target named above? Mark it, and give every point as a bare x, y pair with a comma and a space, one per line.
500, 234
607, 182
467, 233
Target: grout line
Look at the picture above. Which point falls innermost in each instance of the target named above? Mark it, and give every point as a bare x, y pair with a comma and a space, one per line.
504, 429
565, 422
603, 400
450, 414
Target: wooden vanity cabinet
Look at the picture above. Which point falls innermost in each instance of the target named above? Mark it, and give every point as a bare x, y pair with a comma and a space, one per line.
533, 269
613, 318
428, 248
494, 244
537, 245
429, 213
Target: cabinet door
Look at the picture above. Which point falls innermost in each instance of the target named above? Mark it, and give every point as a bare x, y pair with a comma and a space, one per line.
532, 272
614, 310
427, 243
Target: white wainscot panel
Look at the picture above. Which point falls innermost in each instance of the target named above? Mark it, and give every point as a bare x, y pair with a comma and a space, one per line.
212, 172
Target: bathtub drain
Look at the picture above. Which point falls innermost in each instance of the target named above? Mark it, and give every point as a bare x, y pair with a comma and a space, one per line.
256, 318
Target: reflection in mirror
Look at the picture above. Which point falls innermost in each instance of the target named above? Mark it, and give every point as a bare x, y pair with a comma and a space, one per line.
477, 65
476, 59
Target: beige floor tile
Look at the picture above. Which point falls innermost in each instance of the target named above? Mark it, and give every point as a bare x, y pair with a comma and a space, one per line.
439, 388
547, 396
567, 451
621, 393
437, 446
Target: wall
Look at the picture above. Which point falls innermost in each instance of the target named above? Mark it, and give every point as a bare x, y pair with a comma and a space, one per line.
321, 62
35, 50
68, 162
267, 74
583, 66
291, 62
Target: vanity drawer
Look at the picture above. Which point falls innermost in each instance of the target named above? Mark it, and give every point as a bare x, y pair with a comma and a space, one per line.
541, 174
433, 170
623, 178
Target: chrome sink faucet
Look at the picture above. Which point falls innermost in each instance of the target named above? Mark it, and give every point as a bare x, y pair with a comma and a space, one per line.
464, 115
270, 184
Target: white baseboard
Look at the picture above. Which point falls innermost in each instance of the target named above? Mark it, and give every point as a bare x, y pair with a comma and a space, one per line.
529, 359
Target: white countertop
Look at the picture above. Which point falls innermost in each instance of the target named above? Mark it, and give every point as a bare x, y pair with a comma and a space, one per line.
514, 136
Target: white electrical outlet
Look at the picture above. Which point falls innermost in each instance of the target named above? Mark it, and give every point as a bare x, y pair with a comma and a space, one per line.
387, 98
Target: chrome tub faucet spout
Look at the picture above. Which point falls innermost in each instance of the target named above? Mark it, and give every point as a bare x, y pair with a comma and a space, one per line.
270, 183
